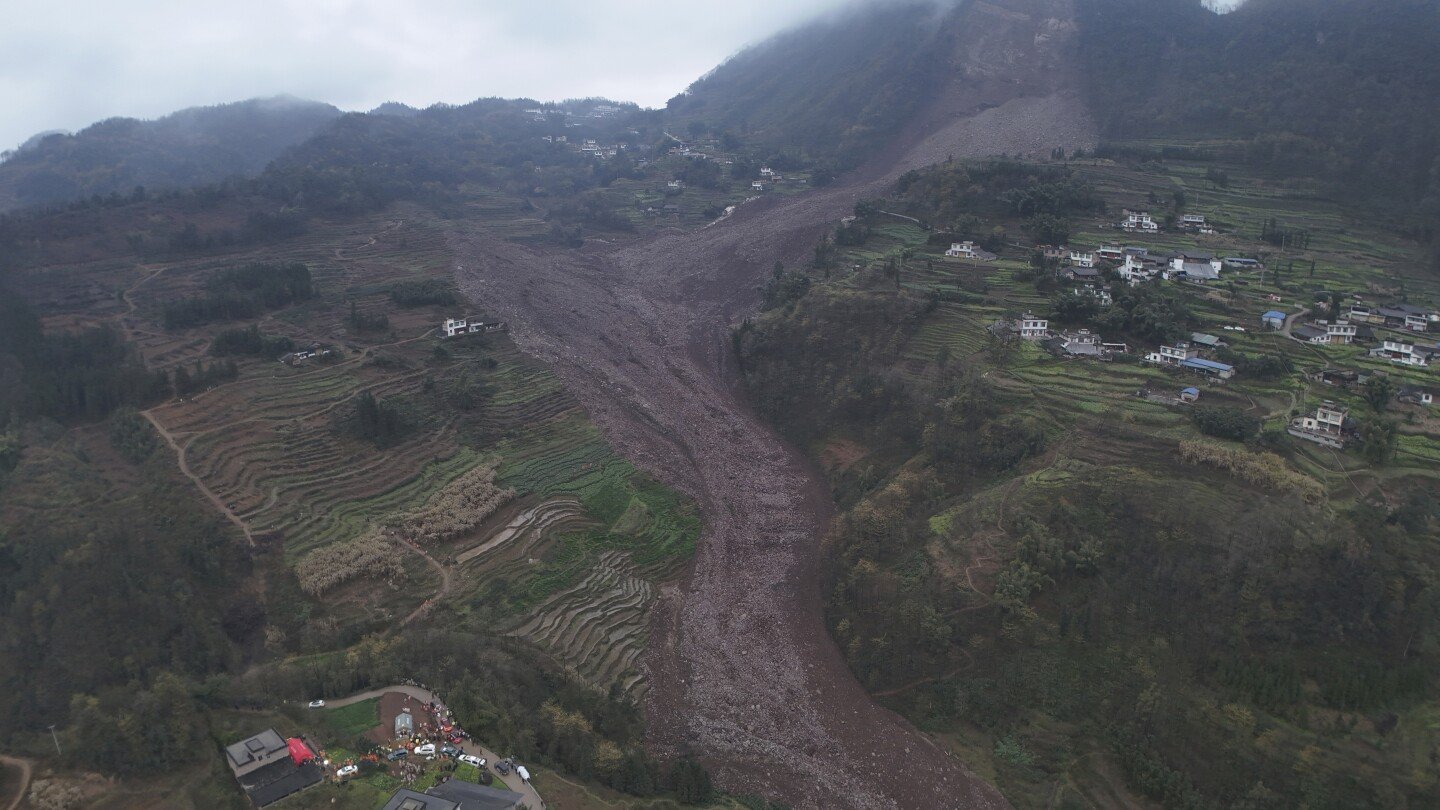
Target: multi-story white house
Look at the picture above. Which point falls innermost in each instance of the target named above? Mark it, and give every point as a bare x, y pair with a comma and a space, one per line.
1081, 258
1195, 221
1195, 266
1137, 270
1404, 352
1033, 328
1139, 221
1326, 427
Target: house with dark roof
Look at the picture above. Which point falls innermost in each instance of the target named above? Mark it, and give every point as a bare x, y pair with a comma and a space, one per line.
269, 767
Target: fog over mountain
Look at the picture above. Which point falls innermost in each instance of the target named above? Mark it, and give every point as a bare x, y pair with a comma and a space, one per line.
70, 64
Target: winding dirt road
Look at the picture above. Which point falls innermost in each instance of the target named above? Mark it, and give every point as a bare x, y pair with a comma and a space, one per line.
741, 668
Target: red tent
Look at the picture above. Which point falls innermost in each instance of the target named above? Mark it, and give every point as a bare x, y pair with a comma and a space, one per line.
300, 753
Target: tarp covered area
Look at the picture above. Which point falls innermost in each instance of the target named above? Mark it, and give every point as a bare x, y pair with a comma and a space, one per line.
300, 753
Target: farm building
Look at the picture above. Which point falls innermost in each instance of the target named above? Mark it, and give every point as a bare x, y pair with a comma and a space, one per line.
1209, 368
1274, 319
1189, 394
269, 767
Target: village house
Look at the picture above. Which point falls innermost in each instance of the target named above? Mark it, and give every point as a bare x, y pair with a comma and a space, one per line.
1326, 427
1081, 258
1239, 263
1310, 333
270, 767
455, 327
968, 250
1274, 319
1338, 332
767, 172
1085, 275
1138, 269
1033, 328
1139, 221
1110, 253
1195, 266
675, 185
1404, 352
1173, 355
1415, 395
1054, 253
1083, 343
1098, 292
1192, 222
1189, 395
1206, 340
757, 186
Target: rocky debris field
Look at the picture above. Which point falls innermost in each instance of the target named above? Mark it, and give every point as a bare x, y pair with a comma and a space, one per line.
741, 669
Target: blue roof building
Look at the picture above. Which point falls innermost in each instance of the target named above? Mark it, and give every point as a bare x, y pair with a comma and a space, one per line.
1275, 319
1209, 367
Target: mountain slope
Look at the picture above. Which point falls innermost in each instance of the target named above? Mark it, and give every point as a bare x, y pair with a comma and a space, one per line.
1338, 88
842, 88
189, 148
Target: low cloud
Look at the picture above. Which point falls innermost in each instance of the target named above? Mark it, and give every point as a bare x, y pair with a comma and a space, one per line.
66, 65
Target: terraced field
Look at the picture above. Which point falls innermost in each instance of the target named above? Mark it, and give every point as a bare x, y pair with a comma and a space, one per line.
598, 626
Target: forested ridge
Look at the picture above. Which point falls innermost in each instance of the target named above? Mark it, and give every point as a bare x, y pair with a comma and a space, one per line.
189, 148
1340, 89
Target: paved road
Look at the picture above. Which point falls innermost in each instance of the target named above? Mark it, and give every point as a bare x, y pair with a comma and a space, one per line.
511, 781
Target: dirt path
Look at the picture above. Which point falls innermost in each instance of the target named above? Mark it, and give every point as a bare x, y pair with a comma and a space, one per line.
215, 500
741, 668
440, 593
25, 767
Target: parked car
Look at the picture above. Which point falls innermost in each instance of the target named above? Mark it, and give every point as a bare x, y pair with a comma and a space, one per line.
398, 753
501, 768
347, 771
425, 750
471, 759
317, 704
449, 750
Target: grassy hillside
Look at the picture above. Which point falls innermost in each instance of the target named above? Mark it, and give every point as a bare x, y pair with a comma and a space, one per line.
1079, 589
193, 147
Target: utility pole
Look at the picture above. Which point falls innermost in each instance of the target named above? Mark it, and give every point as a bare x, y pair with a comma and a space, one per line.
56, 739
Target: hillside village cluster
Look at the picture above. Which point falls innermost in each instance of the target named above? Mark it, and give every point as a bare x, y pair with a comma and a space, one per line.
1394, 328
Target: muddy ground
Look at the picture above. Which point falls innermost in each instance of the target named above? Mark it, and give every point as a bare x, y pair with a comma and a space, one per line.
741, 668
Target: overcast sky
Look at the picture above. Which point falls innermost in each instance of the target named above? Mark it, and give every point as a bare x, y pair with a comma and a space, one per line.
65, 64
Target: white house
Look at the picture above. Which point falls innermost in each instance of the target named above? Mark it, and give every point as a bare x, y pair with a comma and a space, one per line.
968, 250
1339, 331
757, 186
1139, 221
1136, 270
1033, 328
1110, 253
1193, 220
675, 184
1326, 427
1082, 258
1403, 352
455, 327
767, 172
